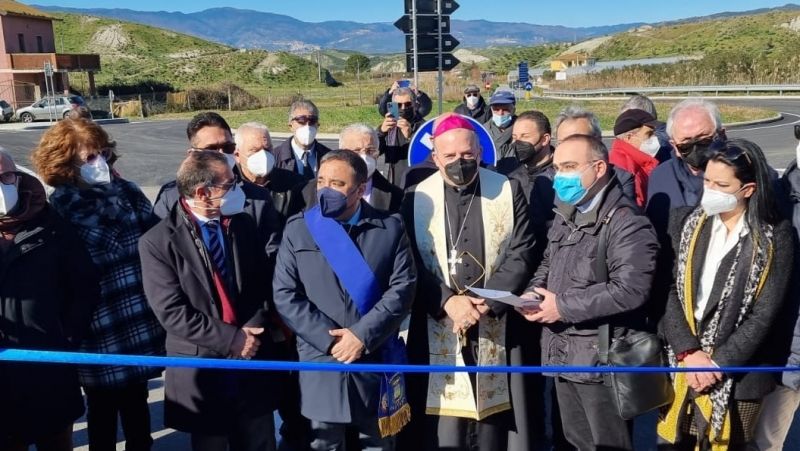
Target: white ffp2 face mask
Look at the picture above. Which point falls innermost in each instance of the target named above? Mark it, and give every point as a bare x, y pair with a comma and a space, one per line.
96, 172
306, 135
9, 196
650, 146
715, 202
372, 164
232, 202
261, 163
472, 101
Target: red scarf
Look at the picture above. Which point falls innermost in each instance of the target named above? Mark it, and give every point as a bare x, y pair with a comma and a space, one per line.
225, 304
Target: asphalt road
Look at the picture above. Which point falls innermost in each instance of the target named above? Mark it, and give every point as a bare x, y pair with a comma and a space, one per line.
151, 151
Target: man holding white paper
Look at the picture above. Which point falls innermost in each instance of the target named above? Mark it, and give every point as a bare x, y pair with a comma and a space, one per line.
578, 297
469, 228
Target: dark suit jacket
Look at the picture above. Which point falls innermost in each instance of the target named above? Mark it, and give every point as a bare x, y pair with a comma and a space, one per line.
385, 196
284, 156
258, 205
312, 302
179, 288
747, 344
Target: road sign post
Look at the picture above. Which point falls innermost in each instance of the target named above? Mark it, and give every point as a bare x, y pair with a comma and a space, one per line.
429, 43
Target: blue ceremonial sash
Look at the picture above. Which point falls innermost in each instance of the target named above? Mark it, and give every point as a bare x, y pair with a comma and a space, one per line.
359, 281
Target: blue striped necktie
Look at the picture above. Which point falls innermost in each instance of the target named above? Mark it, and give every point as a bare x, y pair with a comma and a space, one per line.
215, 248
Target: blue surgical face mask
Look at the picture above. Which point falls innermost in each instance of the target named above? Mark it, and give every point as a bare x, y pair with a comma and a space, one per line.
501, 120
332, 203
568, 186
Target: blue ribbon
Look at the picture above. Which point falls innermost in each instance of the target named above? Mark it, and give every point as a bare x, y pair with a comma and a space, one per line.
81, 358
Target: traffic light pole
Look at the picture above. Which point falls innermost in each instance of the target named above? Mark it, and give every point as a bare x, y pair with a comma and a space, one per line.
414, 37
440, 90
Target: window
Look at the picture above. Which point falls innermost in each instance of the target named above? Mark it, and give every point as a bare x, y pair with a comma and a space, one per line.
39, 44
21, 38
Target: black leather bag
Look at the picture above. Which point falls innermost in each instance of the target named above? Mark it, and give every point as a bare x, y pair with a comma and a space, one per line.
633, 393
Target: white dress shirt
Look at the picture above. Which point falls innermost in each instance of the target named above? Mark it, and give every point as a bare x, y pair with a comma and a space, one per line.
720, 243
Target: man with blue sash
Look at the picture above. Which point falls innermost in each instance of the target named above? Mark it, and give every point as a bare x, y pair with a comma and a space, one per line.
344, 281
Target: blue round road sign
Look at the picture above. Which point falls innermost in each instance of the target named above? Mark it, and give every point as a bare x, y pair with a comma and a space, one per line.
421, 144
528, 86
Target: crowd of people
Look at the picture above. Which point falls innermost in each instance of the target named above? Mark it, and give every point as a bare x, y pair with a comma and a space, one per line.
297, 252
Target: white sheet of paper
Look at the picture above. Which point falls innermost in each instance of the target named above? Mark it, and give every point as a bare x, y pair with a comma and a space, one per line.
506, 297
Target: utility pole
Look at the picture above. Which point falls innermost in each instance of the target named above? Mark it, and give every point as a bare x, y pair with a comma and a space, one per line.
358, 78
319, 67
414, 37
440, 90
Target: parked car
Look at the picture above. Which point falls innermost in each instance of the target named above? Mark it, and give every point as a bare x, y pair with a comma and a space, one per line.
7, 110
55, 107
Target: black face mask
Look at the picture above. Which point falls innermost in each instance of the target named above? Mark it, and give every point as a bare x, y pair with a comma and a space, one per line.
525, 151
461, 171
696, 154
407, 113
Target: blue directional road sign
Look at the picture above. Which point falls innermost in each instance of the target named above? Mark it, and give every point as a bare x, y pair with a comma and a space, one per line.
422, 145
523, 72
528, 86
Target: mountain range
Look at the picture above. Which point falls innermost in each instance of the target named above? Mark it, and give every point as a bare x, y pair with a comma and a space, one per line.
249, 29
241, 28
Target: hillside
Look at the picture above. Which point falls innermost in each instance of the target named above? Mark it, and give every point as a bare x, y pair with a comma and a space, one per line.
767, 34
243, 28
132, 53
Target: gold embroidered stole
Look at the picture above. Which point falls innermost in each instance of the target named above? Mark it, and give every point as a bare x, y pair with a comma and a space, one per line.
453, 394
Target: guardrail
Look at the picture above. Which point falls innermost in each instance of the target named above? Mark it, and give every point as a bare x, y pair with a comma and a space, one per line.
716, 89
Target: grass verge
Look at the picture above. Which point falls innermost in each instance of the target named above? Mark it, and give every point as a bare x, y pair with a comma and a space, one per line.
333, 119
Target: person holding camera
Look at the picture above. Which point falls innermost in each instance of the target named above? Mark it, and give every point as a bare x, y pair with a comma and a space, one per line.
400, 123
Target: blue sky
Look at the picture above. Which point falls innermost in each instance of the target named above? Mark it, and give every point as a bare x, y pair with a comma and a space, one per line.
574, 13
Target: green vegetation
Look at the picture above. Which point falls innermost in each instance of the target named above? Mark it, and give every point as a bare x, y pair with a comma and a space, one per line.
332, 120
132, 53
502, 59
756, 34
758, 49
357, 64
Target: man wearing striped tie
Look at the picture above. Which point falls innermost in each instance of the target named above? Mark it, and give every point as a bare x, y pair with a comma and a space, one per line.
204, 280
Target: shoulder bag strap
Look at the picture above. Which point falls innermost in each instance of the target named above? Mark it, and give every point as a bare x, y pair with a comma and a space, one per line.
601, 269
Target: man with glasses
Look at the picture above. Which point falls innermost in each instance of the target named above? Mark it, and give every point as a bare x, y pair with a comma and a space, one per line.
574, 298
692, 126
302, 152
210, 131
204, 280
378, 193
473, 105
395, 134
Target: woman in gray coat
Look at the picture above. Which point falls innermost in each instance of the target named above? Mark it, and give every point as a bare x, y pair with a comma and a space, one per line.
731, 255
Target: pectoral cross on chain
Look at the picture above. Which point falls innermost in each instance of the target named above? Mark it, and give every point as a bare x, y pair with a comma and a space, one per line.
453, 260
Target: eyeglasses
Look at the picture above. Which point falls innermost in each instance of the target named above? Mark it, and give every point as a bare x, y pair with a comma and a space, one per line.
366, 151
225, 186
702, 142
226, 147
9, 178
306, 120
105, 153
730, 151
472, 94
405, 105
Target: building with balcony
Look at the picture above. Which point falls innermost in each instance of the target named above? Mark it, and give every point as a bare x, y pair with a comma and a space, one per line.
27, 45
